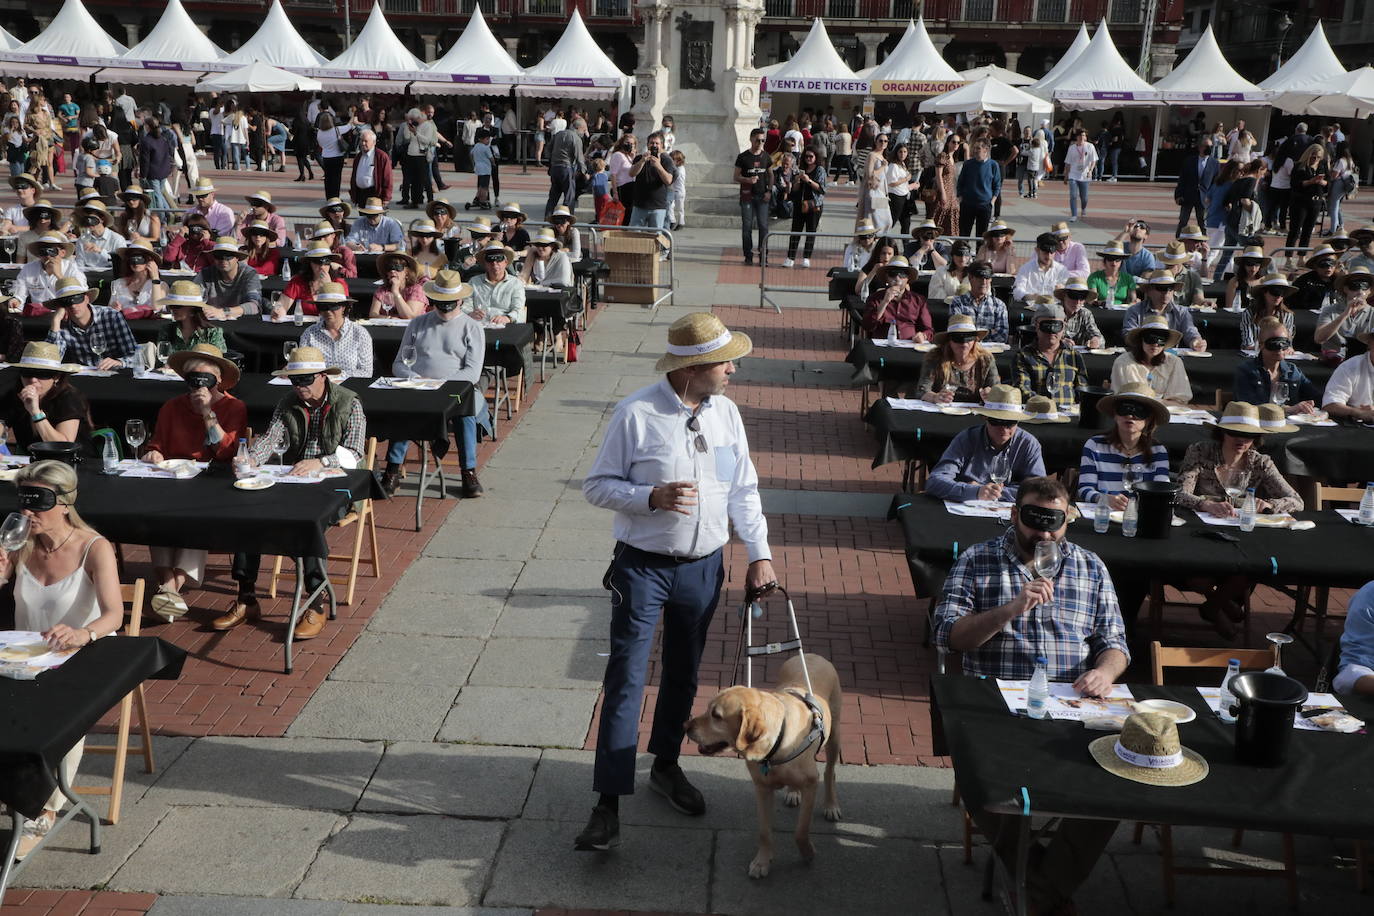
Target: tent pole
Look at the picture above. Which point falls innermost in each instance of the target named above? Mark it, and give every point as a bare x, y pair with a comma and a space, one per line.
1154, 147
1264, 136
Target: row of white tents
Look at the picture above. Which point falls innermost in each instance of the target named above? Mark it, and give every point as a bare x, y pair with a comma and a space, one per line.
277, 58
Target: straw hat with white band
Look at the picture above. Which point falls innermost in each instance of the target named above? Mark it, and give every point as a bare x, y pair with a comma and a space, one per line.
306, 361
925, 224
336, 202
1239, 417
1274, 419
51, 239
228, 245
1254, 253
321, 251
999, 226
1154, 323
441, 203
385, 259
545, 236
562, 212
1041, 409
422, 227
228, 372
1175, 253
372, 207
323, 228
261, 228
1074, 285
69, 288
480, 226
448, 286
331, 295
1061, 230
1003, 402
86, 195
1113, 249
1192, 233
699, 339
866, 227
41, 207
1339, 235
1141, 393
959, 323
136, 190
1148, 751
138, 246
1355, 273
1276, 283
1325, 251
898, 263
184, 294
1362, 233
25, 178
511, 208
98, 208
493, 247
1159, 279
264, 198
202, 187
44, 357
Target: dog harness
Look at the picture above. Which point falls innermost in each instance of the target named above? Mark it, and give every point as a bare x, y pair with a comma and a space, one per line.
815, 736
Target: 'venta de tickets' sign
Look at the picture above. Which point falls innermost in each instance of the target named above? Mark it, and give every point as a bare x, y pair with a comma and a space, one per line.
841, 87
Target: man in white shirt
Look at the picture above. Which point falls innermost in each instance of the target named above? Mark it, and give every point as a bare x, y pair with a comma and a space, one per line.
127, 103
668, 561
1043, 275
1079, 163
1350, 390
49, 261
97, 242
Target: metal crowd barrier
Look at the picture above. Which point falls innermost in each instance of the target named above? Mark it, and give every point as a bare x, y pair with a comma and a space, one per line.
827, 255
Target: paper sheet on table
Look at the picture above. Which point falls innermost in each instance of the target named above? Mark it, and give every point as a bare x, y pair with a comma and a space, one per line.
1191, 417
1066, 703
927, 406
24, 654
158, 375
899, 344
283, 475
96, 373
1317, 704
131, 468
980, 508
385, 322
411, 384
1277, 520
1350, 515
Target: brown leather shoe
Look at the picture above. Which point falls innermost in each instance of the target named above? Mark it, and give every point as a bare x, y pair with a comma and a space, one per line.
472, 487
311, 623
244, 609
391, 479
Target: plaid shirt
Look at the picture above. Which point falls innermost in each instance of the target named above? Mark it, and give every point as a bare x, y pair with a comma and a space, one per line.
354, 435
1059, 380
352, 352
988, 312
1082, 621
107, 331
1081, 327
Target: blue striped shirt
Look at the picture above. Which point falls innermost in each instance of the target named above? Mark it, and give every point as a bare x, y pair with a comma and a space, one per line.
1102, 469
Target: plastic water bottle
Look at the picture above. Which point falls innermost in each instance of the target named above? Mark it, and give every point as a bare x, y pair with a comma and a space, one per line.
1225, 697
286, 269
1102, 516
109, 456
243, 461
1039, 692
1366, 516
1130, 518
300, 313
1247, 511
892, 333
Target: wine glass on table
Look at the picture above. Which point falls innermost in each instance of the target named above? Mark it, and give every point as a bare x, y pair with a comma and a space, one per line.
1233, 481
410, 355
14, 532
164, 352
1278, 393
97, 350
278, 451
136, 433
1279, 640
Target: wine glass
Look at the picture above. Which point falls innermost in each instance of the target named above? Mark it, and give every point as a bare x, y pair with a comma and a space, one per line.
1045, 562
1234, 482
388, 306
409, 356
1279, 640
999, 469
1128, 479
97, 349
164, 352
278, 450
14, 532
136, 433
1278, 393
286, 347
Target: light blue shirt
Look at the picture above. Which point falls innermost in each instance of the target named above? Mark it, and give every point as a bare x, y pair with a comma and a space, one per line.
1357, 642
386, 232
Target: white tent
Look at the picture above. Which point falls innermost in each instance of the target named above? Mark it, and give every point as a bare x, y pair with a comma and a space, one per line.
1064, 64
914, 67
376, 49
986, 94
575, 67
258, 77
1348, 95
477, 60
1314, 63
1010, 77
174, 53
72, 40
277, 43
816, 68
1205, 76
1099, 79
8, 42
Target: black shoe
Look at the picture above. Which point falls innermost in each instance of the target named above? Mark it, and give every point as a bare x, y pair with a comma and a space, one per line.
601, 833
391, 479
672, 784
748, 259
472, 487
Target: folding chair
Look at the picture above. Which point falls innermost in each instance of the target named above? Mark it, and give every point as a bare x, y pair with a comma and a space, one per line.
133, 596
1162, 657
1303, 597
365, 520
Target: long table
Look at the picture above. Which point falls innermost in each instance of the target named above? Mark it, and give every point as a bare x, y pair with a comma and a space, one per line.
1029, 768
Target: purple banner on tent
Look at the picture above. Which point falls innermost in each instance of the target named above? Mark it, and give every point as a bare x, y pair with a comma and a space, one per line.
470, 78
1223, 97
53, 59
1114, 96
368, 74
573, 81
161, 65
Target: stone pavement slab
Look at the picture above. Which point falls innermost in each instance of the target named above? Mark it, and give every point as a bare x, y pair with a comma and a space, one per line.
531, 662
305, 773
511, 512
563, 577
421, 859
445, 576
242, 906
391, 658
255, 852
351, 709
96, 768
433, 615
67, 861
550, 617
462, 780
521, 716
571, 545
486, 544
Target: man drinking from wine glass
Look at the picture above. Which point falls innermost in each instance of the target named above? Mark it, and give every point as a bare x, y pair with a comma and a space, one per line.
1000, 610
985, 462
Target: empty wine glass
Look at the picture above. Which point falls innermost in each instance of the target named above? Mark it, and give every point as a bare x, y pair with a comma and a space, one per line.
1234, 482
97, 349
164, 352
409, 356
1128, 479
14, 532
999, 468
136, 433
1045, 563
1279, 640
286, 347
278, 450
1278, 393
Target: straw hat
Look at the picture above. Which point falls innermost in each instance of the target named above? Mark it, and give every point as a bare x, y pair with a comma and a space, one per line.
925, 224
422, 227
1355, 273
25, 178
184, 294
39, 207
1192, 233
84, 195
511, 208
51, 238
866, 227
1338, 234
440, 203
1041, 409
306, 361
337, 202
264, 198
332, 294
1175, 253
1159, 279
1148, 751
1140, 392
44, 357
494, 247
1254, 253
322, 228
320, 251
998, 226
69, 287
228, 372
1239, 417
385, 259
1154, 323
1113, 249
97, 207
372, 207
480, 226
261, 228
1074, 285
203, 186
545, 236
136, 190
1002, 403
896, 264
959, 323
1277, 283
1325, 251
448, 286
1274, 419
1061, 230
138, 247
562, 212
701, 338
227, 244
1365, 231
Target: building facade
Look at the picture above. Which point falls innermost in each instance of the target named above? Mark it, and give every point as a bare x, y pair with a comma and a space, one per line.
1257, 37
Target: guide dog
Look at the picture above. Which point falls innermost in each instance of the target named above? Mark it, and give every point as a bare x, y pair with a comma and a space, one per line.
778, 733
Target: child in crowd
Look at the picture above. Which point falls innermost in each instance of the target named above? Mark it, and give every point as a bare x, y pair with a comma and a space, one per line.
601, 185
677, 194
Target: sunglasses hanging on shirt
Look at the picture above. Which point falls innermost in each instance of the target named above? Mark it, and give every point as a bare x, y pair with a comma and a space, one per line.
698, 440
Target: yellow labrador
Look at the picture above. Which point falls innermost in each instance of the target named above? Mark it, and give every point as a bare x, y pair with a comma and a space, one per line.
770, 728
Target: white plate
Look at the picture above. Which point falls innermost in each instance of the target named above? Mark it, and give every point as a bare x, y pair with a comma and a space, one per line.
1181, 712
22, 652
176, 465
1197, 354
253, 483
956, 411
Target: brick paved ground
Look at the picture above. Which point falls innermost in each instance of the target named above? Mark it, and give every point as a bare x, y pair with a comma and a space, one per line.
75, 903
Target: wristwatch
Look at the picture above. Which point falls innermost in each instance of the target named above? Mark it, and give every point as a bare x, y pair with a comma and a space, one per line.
93, 634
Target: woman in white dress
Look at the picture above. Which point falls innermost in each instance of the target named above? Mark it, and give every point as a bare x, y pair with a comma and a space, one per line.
66, 587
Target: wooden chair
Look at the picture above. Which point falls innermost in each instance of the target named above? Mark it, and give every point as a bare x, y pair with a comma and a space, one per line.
1303, 596
364, 518
1162, 657
1223, 397
133, 596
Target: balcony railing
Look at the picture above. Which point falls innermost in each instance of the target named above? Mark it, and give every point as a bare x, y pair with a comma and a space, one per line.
611, 9
841, 9
1125, 11
980, 10
544, 7
1051, 10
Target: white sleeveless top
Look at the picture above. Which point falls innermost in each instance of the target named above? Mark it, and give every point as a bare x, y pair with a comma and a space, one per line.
71, 600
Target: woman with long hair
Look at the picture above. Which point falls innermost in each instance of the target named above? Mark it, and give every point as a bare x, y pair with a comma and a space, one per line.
188, 326
45, 407
1308, 197
401, 294
945, 209
135, 220
899, 187
264, 254
999, 248
945, 283
568, 236
1342, 182
236, 131
959, 368
843, 158
257, 139
1267, 301
1127, 452
622, 185
423, 245
16, 145
276, 145
138, 291
873, 194
319, 265
1147, 360
1250, 265
807, 196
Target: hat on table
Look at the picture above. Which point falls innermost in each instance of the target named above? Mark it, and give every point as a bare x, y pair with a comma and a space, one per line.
44, 357
1239, 417
959, 323
701, 338
258, 227
1142, 393
336, 202
69, 288
1148, 751
440, 203
546, 236
184, 294
1113, 249
1274, 419
1192, 233
306, 361
228, 372
1041, 409
1175, 253
1061, 230
1324, 252
264, 198
1276, 283
331, 295
448, 286
1154, 323
1002, 403
202, 187
1253, 253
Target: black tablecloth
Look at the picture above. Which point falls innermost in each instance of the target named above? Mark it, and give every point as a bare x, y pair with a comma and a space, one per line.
42, 719
1334, 454
1001, 761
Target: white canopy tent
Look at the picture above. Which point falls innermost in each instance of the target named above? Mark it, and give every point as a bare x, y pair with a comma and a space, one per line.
258, 77
477, 62
1205, 77
816, 69
375, 55
914, 67
1347, 95
68, 48
1314, 63
7, 41
576, 67
986, 94
174, 53
1098, 79
1065, 63
277, 43
1010, 77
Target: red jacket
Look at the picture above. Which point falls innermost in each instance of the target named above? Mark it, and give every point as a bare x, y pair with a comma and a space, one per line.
180, 432
381, 174
909, 312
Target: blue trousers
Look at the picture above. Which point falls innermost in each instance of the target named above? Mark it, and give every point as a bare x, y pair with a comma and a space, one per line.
464, 433
646, 586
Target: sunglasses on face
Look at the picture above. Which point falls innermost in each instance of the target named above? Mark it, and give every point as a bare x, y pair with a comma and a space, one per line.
49, 252
1133, 410
303, 381
1278, 344
1324, 265
962, 338
195, 231
1002, 424
1142, 225
395, 268
543, 244
1358, 284
1050, 327
323, 307
1154, 340
1113, 259
1076, 295
335, 210
495, 258
38, 375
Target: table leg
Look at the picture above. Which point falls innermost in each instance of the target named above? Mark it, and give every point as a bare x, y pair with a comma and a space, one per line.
9, 868
1023, 841
79, 806
298, 602
426, 478
546, 326
9, 865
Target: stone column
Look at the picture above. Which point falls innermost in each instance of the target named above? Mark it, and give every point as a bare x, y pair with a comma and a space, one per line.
512, 44
130, 33
652, 77
430, 43
1013, 58
870, 42
1161, 61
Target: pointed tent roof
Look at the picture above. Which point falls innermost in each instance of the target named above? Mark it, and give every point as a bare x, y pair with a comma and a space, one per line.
277, 43
8, 42
74, 33
915, 59
478, 55
575, 66
1010, 77
1079, 45
377, 48
1100, 78
816, 68
1346, 95
175, 38
986, 94
1314, 63
1205, 76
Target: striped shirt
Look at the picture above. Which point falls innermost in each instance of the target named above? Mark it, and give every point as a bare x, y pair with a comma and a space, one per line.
1102, 469
1082, 621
